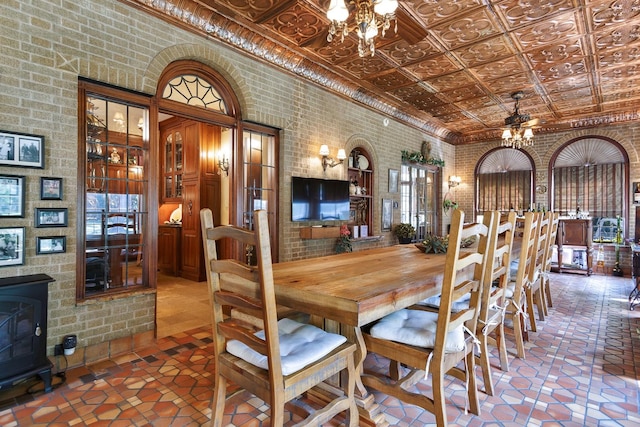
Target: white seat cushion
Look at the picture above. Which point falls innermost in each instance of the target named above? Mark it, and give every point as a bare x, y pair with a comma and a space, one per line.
300, 345
416, 327
513, 269
457, 306
510, 289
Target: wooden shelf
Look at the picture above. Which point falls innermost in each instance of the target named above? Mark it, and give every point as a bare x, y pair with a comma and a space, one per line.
319, 232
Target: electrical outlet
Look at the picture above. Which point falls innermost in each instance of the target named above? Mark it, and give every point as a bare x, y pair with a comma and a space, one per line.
57, 350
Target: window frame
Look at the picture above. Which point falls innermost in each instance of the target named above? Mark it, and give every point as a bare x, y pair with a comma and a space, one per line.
87, 88
602, 183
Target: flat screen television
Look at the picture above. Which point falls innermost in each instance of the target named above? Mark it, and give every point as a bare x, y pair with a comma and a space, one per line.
314, 199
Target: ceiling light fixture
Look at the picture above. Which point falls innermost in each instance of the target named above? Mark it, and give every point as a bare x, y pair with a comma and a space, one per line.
514, 136
369, 16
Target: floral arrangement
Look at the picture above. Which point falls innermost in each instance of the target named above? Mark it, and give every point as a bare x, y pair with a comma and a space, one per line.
344, 243
438, 244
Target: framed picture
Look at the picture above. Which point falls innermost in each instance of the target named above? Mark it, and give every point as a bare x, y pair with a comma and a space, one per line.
352, 215
51, 245
50, 188
387, 214
21, 149
11, 246
51, 217
393, 180
12, 196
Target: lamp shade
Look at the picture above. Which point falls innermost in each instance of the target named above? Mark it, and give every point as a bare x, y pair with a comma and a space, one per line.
384, 7
324, 150
337, 11
506, 134
341, 154
528, 133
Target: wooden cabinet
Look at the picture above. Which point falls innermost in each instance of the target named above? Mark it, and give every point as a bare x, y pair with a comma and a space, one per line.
172, 161
199, 186
575, 237
170, 249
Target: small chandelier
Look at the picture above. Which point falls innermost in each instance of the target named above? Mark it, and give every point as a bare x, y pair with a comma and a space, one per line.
513, 136
370, 15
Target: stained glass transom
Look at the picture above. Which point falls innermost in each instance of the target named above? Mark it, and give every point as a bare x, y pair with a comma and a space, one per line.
193, 90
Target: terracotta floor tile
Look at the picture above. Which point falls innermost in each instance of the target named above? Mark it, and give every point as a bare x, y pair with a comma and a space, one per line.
581, 369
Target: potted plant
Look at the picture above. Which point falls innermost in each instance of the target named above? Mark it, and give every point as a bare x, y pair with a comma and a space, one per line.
344, 242
449, 204
405, 232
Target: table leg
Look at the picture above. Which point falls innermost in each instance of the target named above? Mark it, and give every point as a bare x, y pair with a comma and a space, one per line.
370, 411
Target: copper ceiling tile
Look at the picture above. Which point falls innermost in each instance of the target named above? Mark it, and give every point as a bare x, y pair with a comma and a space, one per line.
553, 31
607, 13
432, 67
412, 91
432, 12
500, 68
404, 53
560, 70
519, 13
485, 51
389, 81
451, 81
466, 92
559, 52
467, 29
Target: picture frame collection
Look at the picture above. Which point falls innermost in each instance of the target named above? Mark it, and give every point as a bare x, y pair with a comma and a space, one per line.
25, 150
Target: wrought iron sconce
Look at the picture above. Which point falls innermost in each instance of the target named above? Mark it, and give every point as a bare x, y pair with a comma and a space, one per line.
330, 161
223, 166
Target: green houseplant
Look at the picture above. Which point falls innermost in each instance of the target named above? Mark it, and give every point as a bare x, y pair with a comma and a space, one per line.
405, 232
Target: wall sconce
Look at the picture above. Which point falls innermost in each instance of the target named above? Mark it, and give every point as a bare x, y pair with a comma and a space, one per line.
223, 165
454, 181
329, 161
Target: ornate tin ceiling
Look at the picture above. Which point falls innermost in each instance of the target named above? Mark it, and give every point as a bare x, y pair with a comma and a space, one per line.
451, 68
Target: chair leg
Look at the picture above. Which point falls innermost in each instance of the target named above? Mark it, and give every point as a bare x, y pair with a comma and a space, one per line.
485, 365
540, 302
219, 401
439, 407
530, 302
518, 332
547, 288
474, 403
502, 348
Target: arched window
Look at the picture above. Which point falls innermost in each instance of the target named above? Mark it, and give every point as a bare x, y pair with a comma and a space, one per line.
504, 181
592, 174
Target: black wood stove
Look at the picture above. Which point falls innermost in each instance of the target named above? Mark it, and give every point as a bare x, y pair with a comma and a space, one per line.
23, 329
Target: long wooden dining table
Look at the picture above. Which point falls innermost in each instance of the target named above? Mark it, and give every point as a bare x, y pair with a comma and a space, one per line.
354, 289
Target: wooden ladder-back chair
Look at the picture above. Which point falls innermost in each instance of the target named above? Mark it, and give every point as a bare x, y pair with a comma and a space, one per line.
554, 220
534, 292
519, 281
493, 299
284, 360
435, 342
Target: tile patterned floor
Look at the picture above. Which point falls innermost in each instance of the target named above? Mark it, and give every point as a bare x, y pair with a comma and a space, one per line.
582, 368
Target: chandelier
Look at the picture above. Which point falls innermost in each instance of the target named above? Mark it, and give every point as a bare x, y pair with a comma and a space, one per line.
370, 15
514, 136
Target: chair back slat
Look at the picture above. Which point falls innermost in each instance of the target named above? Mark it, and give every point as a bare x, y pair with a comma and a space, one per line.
498, 255
236, 285
464, 274
554, 220
527, 252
